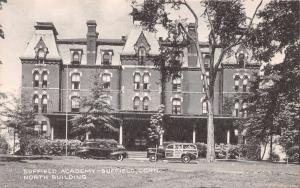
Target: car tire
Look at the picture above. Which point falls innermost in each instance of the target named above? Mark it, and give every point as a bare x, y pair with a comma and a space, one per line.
84, 157
153, 158
185, 159
119, 157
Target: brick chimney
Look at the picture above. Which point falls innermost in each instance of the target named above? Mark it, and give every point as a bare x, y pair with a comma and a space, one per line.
91, 37
192, 50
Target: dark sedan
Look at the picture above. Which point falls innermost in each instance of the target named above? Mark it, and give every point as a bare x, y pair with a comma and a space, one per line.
102, 149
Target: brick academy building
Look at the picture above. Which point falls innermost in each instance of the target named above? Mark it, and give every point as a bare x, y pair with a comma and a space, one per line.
56, 73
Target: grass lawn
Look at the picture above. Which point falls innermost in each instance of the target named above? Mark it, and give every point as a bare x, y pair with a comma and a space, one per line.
74, 172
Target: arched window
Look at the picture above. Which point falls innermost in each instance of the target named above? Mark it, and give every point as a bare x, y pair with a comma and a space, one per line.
136, 103
146, 80
236, 107
141, 54
106, 81
75, 104
176, 106
75, 78
176, 84
137, 81
41, 53
36, 78
244, 108
35, 103
145, 103
241, 59
44, 79
44, 104
245, 83
204, 106
106, 58
206, 59
236, 83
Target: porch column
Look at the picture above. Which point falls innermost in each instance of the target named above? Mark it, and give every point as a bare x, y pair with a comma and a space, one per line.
194, 134
228, 137
52, 132
161, 139
87, 135
121, 134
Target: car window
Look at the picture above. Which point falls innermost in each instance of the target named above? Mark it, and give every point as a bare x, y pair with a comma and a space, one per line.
189, 147
102, 145
178, 146
170, 146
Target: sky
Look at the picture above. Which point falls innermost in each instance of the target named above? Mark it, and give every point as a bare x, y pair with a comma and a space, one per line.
69, 17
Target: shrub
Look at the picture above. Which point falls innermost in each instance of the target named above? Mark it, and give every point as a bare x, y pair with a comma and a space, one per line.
3, 146
250, 151
293, 154
51, 147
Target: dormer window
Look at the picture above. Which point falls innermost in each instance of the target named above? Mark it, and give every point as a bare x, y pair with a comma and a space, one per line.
41, 53
141, 54
207, 59
106, 57
76, 56
241, 59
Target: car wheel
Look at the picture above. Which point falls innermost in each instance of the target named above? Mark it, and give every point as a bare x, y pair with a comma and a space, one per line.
185, 159
119, 157
152, 158
84, 157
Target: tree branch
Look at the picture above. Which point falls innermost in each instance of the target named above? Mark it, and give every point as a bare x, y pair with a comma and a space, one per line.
213, 33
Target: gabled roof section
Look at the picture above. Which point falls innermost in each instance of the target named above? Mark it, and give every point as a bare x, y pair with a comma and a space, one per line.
40, 44
142, 41
138, 36
44, 35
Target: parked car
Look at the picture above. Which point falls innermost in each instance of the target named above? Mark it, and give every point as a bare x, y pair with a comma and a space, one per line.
102, 149
184, 151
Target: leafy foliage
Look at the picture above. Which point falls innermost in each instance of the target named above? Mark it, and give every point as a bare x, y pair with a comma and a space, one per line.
156, 126
98, 113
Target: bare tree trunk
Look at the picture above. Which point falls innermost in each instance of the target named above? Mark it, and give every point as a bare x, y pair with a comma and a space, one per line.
210, 155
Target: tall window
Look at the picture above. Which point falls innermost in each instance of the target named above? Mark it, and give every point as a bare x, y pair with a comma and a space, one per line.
244, 108
75, 81
137, 80
145, 103
75, 104
146, 79
236, 108
106, 81
35, 103
136, 103
106, 58
36, 79
141, 54
206, 59
44, 79
176, 84
236, 83
207, 79
76, 57
245, 83
176, 106
44, 104
204, 106
41, 53
241, 59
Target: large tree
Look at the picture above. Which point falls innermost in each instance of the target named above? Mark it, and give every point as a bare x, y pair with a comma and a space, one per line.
274, 102
1, 31
97, 112
228, 27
